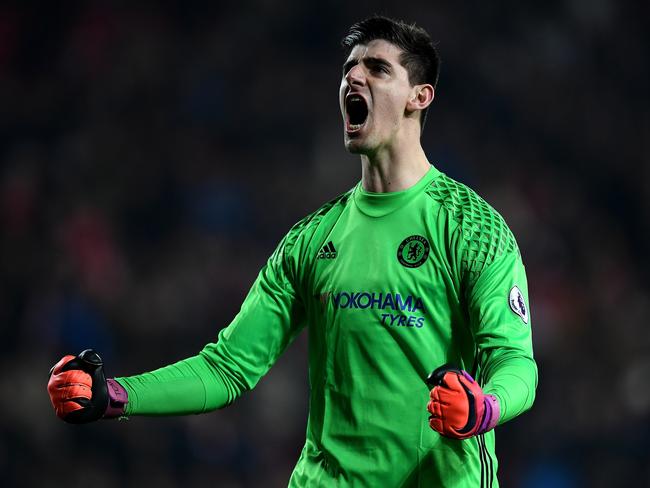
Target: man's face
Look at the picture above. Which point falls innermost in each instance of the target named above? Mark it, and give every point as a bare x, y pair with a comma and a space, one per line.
374, 92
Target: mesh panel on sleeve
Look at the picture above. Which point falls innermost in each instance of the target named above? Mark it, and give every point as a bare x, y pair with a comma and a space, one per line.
485, 234
306, 224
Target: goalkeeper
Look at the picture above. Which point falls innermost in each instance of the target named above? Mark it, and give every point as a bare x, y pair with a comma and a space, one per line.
413, 291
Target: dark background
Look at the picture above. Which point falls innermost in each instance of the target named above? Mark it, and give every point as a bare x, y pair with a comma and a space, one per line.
152, 156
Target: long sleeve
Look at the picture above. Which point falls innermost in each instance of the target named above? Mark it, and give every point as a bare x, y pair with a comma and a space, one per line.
270, 318
500, 319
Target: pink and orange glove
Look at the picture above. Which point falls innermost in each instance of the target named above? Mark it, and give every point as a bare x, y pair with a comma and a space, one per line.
80, 392
459, 409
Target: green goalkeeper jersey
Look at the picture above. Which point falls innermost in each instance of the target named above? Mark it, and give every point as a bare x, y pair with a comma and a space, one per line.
390, 286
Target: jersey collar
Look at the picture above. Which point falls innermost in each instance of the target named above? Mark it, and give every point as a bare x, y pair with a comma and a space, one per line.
380, 204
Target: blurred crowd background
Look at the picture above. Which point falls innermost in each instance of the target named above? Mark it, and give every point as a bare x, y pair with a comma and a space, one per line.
152, 154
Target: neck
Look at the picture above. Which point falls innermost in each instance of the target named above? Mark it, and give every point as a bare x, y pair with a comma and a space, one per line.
393, 169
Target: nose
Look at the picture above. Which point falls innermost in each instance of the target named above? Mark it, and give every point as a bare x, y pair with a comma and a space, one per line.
355, 76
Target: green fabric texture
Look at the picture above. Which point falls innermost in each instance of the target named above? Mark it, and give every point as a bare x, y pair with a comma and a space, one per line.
390, 286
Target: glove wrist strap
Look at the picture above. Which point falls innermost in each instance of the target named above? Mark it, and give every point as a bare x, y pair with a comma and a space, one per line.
117, 399
492, 414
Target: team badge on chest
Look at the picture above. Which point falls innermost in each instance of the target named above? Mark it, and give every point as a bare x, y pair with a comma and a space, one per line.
413, 251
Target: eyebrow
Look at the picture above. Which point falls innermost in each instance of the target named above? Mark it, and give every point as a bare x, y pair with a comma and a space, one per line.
369, 61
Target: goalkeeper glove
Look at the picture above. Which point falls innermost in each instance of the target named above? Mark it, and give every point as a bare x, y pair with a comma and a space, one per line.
459, 409
80, 392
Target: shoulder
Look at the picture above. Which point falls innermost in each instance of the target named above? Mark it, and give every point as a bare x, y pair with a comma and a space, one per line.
316, 222
481, 232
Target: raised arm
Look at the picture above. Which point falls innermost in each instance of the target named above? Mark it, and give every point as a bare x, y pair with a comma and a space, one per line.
270, 318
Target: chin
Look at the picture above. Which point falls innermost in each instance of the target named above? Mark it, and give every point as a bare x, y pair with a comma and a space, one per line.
357, 146
353, 148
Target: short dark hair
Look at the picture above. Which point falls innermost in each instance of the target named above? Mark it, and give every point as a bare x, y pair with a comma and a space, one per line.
420, 57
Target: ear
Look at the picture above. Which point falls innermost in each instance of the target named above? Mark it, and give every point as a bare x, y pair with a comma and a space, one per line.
421, 97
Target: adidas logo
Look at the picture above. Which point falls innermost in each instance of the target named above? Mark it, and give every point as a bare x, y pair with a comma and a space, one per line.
327, 252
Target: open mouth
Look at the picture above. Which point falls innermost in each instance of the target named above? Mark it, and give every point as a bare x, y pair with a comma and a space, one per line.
356, 109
